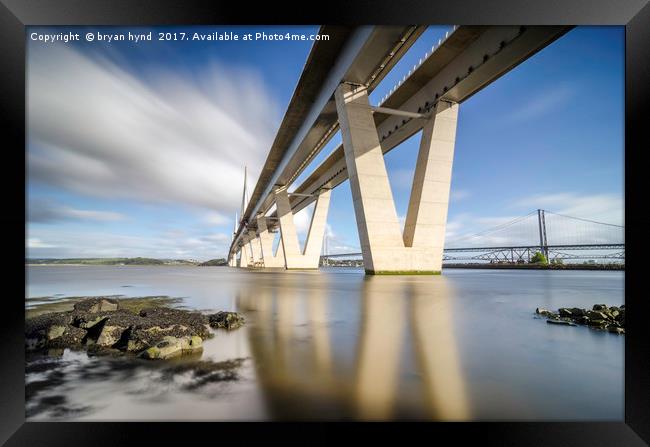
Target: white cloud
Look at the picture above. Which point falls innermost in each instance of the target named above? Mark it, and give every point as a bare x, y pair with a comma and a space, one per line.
33, 242
467, 230
95, 129
47, 211
607, 208
540, 104
456, 195
216, 219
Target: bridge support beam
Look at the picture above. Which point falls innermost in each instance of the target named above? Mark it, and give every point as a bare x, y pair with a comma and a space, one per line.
266, 242
385, 249
255, 249
309, 257
246, 255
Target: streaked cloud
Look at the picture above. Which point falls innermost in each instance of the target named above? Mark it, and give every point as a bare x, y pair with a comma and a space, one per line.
97, 130
33, 242
456, 195
540, 104
607, 208
44, 211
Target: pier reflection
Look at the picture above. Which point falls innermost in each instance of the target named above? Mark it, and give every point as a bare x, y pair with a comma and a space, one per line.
395, 358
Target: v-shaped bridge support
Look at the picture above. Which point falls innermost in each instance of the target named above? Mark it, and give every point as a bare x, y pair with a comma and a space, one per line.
266, 241
294, 257
385, 249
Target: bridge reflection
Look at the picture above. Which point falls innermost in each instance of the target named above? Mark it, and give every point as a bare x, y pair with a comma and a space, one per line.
309, 366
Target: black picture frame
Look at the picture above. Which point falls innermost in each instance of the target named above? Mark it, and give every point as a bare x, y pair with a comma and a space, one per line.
16, 14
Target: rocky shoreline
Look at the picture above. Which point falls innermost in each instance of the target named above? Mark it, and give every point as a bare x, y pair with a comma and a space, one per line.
600, 317
103, 325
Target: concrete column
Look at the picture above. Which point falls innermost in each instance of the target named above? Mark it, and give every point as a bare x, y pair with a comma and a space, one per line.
317, 226
294, 257
385, 249
255, 248
247, 255
266, 242
377, 222
426, 218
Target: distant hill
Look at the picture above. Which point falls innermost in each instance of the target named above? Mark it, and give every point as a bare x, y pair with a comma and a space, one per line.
110, 261
214, 262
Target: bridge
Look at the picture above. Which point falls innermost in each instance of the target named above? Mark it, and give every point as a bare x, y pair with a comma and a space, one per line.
518, 240
332, 95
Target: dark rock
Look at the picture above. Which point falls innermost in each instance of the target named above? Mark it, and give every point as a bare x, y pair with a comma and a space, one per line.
561, 322
94, 305
593, 315
51, 331
616, 330
170, 347
176, 322
99, 326
600, 317
577, 312
226, 320
597, 323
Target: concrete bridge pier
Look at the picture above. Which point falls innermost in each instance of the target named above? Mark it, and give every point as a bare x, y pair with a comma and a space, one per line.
255, 250
266, 242
385, 249
309, 257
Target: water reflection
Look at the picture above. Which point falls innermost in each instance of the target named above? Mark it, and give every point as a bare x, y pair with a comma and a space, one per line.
303, 375
338, 345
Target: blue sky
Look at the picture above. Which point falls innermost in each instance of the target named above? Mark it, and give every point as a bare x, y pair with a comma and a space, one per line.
138, 149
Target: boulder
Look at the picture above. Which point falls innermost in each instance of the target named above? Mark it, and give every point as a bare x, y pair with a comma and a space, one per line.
86, 321
51, 331
170, 347
226, 320
593, 315
597, 323
577, 312
601, 317
94, 305
175, 322
101, 325
561, 322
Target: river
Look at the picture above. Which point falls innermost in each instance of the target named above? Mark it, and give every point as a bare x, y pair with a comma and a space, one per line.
339, 345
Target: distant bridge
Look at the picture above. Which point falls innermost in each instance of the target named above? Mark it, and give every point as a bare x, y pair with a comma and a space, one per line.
592, 240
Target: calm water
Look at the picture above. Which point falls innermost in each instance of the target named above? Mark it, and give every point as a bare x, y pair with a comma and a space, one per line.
336, 344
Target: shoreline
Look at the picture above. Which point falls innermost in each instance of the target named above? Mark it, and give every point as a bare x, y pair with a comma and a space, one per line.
605, 267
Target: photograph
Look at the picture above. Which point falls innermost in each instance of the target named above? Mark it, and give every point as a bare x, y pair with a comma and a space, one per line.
325, 223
